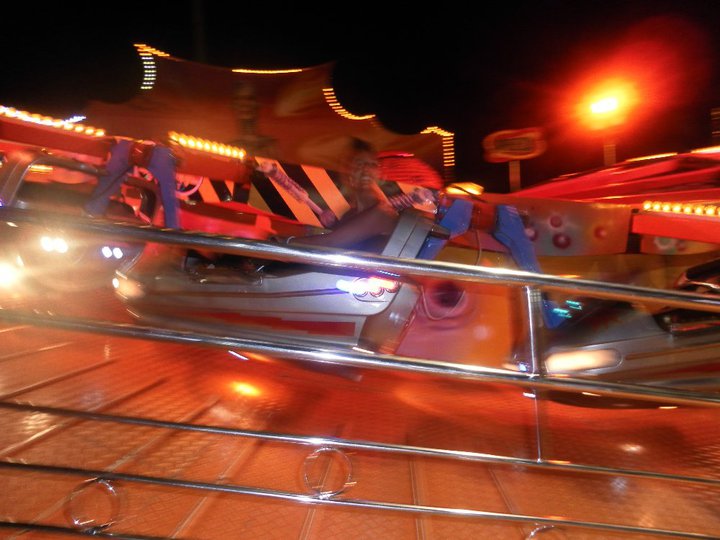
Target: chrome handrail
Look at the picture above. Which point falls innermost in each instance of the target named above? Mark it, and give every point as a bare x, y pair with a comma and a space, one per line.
354, 444
364, 261
345, 502
536, 379
14, 171
322, 354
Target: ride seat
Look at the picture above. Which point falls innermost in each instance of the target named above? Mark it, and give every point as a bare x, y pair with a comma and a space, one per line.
409, 235
415, 236
455, 220
418, 237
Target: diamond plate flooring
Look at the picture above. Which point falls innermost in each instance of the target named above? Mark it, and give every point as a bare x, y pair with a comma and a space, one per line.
115, 436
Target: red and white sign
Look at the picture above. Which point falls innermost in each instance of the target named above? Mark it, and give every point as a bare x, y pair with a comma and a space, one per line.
514, 144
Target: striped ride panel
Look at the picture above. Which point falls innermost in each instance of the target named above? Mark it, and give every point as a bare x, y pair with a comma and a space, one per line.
311, 189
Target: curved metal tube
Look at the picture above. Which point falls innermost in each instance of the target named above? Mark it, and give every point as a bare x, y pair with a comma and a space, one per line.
374, 263
351, 503
323, 354
13, 172
363, 445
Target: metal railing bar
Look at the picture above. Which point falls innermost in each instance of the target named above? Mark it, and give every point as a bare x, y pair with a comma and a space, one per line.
366, 261
51, 509
350, 503
321, 354
532, 305
14, 170
57, 529
75, 419
355, 444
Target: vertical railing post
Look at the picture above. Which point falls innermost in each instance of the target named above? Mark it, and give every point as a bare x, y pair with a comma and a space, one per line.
535, 365
533, 307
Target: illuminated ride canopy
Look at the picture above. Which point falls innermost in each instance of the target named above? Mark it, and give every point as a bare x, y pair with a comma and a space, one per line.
292, 115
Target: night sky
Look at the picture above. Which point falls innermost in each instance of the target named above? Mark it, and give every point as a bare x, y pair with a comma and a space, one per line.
521, 64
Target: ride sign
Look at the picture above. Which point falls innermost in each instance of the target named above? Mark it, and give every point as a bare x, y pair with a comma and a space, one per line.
515, 144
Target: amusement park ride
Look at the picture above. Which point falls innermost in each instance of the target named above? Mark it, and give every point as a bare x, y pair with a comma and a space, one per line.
647, 222
521, 365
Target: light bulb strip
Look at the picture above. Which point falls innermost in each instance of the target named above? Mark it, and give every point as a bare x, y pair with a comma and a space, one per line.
267, 71
688, 209
147, 56
334, 104
204, 145
448, 144
48, 121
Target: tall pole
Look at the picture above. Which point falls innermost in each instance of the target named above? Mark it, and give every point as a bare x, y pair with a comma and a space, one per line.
609, 152
198, 16
514, 172
606, 116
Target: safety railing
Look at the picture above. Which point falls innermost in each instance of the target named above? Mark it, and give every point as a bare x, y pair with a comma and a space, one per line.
535, 379
13, 173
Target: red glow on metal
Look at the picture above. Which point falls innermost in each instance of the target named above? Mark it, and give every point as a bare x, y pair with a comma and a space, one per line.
311, 327
561, 240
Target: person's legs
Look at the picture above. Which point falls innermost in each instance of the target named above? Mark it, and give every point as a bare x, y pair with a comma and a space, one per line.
109, 184
162, 167
375, 221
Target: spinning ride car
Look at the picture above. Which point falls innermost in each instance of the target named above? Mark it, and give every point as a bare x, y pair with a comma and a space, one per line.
241, 296
50, 167
597, 226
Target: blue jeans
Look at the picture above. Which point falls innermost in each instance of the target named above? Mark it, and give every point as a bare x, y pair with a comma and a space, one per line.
161, 165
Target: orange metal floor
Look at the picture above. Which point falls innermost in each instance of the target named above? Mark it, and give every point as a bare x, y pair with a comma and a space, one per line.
166, 478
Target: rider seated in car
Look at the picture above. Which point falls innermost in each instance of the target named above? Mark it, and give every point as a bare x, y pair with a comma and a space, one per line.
370, 214
370, 220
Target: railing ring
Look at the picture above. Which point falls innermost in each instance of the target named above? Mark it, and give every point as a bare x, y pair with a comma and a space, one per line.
323, 470
86, 500
547, 532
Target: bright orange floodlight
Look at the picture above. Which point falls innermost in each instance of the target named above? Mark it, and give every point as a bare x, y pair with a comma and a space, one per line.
605, 109
608, 105
604, 106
